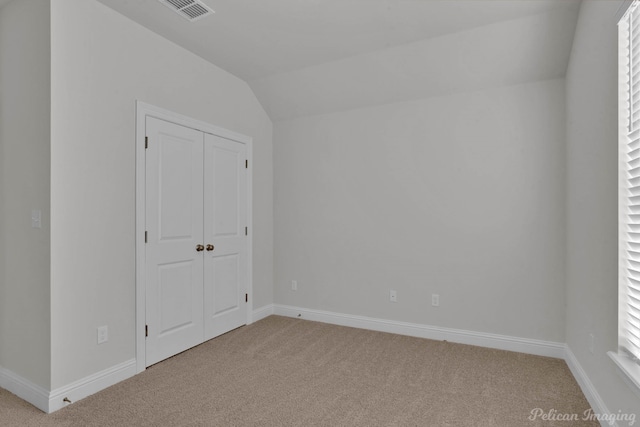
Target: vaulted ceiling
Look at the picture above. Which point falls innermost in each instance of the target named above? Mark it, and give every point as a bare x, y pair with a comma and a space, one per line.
317, 56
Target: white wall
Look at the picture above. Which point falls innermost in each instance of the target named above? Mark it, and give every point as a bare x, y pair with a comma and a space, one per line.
24, 185
592, 209
101, 63
459, 195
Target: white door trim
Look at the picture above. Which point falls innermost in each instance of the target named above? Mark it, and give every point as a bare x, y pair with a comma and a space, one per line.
143, 111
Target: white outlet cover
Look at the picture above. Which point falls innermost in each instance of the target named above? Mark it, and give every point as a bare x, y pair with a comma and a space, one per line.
103, 334
435, 300
393, 297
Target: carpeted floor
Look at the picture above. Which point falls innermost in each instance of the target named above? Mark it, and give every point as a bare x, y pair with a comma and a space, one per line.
290, 372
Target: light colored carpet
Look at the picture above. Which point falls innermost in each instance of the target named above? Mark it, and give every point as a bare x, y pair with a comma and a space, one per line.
291, 372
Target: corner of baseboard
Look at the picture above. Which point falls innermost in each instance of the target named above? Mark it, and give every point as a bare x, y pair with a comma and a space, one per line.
24, 389
262, 312
587, 387
91, 384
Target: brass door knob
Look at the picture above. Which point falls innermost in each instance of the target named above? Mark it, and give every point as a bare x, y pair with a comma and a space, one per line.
199, 248
210, 248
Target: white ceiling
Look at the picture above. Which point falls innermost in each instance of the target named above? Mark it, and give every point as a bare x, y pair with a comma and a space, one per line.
256, 38
304, 57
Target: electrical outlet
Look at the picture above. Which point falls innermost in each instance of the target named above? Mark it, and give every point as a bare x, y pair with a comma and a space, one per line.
103, 334
393, 297
294, 285
435, 300
592, 340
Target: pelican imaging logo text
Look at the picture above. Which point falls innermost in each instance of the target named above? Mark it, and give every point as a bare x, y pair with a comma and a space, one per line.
588, 415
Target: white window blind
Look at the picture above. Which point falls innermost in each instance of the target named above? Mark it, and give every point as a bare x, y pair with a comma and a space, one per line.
629, 184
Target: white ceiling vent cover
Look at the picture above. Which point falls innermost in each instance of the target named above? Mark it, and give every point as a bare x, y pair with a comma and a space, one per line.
191, 10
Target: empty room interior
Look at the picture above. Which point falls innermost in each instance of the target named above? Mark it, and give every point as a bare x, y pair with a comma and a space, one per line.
440, 169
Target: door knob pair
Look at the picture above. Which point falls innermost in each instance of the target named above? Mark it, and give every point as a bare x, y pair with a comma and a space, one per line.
200, 248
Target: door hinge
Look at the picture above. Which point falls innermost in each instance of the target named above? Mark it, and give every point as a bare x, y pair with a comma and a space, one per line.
145, 237
246, 231
146, 142
146, 331
246, 297
246, 164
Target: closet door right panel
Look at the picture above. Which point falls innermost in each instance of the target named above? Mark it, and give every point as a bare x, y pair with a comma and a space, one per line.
225, 219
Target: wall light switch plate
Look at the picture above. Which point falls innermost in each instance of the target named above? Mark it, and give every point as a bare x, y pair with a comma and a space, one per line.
36, 218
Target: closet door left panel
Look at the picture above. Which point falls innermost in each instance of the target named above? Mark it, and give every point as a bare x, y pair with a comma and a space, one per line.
174, 231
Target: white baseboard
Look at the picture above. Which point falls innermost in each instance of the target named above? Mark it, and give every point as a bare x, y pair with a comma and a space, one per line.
52, 401
590, 392
262, 312
24, 389
501, 342
91, 384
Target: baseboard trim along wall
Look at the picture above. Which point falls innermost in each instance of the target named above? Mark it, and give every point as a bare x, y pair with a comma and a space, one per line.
24, 389
501, 342
54, 400
586, 386
262, 312
90, 385
51, 401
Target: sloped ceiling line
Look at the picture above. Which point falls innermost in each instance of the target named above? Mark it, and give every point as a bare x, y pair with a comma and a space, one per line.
314, 57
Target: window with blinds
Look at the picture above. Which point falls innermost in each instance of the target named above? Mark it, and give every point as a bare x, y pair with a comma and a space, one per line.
629, 184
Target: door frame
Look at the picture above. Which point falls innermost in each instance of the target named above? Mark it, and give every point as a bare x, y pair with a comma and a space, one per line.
144, 110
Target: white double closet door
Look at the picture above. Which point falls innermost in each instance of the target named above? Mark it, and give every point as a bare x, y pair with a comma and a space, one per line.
196, 245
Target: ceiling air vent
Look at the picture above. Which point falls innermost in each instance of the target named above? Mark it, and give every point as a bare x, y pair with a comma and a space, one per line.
191, 10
